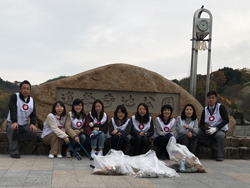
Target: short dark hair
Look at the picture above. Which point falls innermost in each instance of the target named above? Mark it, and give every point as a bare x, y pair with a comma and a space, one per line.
145, 118
81, 114
123, 110
54, 108
212, 93
183, 114
93, 112
167, 106
25, 82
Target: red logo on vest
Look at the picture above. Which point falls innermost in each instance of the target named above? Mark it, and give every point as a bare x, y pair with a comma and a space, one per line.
25, 107
78, 124
166, 129
141, 126
211, 118
98, 123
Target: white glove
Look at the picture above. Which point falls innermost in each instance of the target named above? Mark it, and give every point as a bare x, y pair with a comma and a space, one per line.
212, 130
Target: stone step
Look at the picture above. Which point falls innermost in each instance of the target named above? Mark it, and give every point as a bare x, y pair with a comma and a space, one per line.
242, 130
235, 148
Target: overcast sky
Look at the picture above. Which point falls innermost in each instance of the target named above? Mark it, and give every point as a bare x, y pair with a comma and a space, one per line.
44, 39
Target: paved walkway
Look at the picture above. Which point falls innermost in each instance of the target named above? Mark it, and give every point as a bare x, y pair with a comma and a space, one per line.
39, 171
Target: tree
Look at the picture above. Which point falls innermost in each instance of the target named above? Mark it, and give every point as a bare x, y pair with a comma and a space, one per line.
233, 76
218, 77
185, 83
4, 102
175, 81
201, 90
53, 79
245, 75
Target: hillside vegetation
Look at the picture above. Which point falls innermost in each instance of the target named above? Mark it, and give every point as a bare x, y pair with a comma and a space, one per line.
232, 85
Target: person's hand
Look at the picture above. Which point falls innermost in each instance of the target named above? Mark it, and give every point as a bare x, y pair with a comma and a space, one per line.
185, 126
92, 136
189, 134
33, 128
96, 128
91, 124
143, 134
168, 135
63, 130
14, 126
119, 134
66, 140
114, 131
77, 140
82, 130
212, 130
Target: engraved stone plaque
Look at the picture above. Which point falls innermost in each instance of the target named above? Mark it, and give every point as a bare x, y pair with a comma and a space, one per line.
112, 98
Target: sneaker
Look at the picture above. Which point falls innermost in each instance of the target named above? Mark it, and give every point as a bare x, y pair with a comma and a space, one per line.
92, 154
59, 156
51, 156
99, 153
68, 155
16, 156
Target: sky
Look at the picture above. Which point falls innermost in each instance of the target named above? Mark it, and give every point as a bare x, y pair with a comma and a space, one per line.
45, 39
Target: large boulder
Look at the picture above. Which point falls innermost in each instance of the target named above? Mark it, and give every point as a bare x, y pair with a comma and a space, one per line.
118, 77
231, 126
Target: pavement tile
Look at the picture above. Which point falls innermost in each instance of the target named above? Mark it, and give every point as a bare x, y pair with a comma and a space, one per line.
42, 164
6, 163
2, 172
23, 164
140, 182
39, 171
115, 182
245, 177
64, 178
91, 184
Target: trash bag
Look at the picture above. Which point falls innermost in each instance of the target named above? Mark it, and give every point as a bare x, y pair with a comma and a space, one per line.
178, 152
147, 165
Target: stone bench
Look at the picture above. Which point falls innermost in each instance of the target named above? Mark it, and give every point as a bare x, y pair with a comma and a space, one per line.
235, 147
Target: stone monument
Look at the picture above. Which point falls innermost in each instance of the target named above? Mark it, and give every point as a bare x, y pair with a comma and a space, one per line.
114, 84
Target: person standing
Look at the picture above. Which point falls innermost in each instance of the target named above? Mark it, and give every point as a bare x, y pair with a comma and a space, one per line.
21, 107
214, 124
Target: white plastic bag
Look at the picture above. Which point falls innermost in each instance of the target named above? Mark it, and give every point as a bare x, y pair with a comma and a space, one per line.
147, 165
177, 152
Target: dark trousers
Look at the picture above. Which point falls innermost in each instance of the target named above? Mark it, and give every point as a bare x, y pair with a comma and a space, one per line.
190, 143
138, 142
119, 143
218, 136
23, 133
162, 142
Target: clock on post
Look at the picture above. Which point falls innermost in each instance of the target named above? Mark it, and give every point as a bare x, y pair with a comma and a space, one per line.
202, 25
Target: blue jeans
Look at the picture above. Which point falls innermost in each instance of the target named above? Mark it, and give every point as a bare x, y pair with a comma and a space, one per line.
99, 141
82, 138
